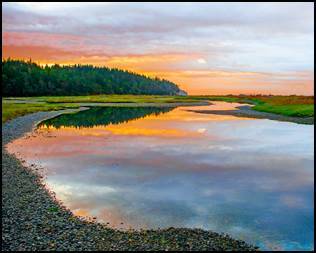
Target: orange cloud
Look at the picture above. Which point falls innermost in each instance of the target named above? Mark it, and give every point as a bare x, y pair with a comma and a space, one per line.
150, 62
175, 67
237, 82
37, 53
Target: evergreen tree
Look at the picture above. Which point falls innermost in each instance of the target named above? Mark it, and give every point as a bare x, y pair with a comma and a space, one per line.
22, 78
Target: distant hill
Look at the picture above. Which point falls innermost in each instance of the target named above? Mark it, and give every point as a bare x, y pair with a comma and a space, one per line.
20, 78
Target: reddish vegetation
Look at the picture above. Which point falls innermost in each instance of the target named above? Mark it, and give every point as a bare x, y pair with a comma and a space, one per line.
282, 100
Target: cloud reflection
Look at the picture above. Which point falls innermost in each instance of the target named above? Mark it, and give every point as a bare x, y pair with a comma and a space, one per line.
250, 178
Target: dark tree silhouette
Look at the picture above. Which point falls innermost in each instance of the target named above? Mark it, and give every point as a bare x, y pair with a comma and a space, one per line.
22, 78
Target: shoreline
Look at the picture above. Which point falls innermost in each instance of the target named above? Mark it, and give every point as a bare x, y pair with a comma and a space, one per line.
116, 104
33, 219
248, 112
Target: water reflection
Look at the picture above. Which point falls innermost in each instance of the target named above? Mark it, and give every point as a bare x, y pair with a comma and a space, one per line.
247, 177
103, 116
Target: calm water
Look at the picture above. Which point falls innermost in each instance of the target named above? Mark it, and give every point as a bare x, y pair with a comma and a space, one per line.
151, 167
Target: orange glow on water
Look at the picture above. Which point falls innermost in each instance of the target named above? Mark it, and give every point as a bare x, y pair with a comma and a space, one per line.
163, 126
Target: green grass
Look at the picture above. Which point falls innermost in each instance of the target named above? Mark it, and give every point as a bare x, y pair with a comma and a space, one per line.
287, 110
298, 106
111, 99
295, 106
12, 110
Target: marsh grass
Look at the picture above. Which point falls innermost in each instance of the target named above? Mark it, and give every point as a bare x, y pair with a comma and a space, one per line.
13, 110
113, 99
296, 106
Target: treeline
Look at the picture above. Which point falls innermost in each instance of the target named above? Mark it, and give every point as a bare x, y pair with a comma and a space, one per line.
20, 78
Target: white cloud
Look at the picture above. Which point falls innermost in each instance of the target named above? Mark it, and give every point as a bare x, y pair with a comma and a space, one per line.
201, 61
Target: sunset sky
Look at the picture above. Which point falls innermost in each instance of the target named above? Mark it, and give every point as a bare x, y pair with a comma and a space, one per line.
205, 48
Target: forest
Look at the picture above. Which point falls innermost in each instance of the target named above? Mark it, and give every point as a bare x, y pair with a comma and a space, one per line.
26, 78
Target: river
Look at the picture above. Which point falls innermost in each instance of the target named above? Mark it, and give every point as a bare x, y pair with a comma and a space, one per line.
161, 167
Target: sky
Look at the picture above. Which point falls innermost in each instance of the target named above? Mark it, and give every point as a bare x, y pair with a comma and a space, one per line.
205, 48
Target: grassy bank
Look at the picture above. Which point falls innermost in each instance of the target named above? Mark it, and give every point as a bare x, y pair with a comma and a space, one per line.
299, 110
295, 106
111, 99
13, 110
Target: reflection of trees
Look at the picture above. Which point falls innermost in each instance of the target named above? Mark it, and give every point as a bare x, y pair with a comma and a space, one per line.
103, 116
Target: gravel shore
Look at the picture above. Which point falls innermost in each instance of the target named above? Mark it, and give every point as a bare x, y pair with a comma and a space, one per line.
32, 219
